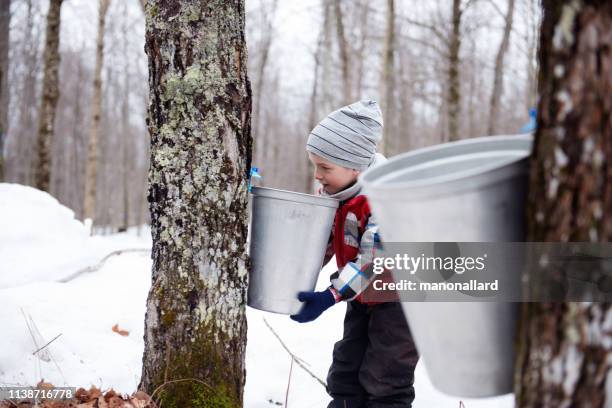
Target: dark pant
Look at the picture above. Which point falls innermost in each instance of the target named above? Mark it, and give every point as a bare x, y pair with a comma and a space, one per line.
373, 365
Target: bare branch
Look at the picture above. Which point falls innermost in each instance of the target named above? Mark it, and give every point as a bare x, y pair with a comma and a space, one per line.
427, 44
497, 9
97, 266
297, 359
441, 36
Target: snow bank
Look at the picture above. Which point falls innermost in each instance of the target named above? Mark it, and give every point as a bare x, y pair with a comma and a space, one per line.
40, 240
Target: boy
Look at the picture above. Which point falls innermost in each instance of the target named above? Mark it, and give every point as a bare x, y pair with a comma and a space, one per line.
373, 364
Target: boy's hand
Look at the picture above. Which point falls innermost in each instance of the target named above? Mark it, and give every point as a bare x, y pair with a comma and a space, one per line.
315, 303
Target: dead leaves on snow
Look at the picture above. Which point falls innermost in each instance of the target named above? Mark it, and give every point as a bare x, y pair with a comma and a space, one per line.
92, 398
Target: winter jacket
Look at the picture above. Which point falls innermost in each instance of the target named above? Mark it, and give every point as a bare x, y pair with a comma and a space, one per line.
354, 238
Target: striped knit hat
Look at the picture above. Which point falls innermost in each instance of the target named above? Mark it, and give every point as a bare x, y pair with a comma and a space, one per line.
348, 137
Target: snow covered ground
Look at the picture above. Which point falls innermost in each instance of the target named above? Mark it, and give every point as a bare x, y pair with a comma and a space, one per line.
41, 243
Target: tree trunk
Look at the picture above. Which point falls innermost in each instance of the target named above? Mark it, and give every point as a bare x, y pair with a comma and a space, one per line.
5, 20
564, 352
125, 128
453, 93
264, 143
343, 48
77, 143
389, 144
24, 137
89, 207
50, 96
531, 42
200, 125
329, 94
406, 123
499, 71
363, 42
313, 114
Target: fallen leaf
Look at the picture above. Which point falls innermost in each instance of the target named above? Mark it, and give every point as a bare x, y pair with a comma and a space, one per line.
42, 385
116, 329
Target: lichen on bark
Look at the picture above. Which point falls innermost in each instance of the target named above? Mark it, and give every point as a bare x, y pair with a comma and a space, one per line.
199, 123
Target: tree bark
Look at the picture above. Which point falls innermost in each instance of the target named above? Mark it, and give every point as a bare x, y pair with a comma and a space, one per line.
389, 144
89, 207
531, 42
125, 129
5, 21
498, 77
313, 113
77, 144
262, 148
199, 121
329, 94
23, 138
50, 96
343, 48
564, 352
363, 41
406, 124
454, 93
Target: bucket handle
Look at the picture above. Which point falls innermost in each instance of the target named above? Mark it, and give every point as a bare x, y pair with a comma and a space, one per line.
253, 174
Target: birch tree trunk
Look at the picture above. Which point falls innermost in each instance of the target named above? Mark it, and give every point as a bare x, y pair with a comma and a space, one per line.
564, 353
200, 126
50, 96
5, 20
89, 207
499, 70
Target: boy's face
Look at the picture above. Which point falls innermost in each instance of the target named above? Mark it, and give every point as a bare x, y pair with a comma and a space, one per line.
332, 177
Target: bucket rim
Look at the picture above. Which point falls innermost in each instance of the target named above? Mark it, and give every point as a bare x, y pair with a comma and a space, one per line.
370, 179
294, 196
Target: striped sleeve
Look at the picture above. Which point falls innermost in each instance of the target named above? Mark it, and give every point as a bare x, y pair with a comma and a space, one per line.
356, 276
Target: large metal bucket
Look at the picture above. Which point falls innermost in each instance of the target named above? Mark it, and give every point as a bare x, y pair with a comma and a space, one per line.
288, 236
468, 191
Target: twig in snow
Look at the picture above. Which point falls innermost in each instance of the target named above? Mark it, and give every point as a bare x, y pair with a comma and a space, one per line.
47, 344
289, 382
37, 361
49, 354
297, 359
93, 268
46, 355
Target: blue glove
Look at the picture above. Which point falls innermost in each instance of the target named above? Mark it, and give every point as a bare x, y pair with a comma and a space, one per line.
315, 303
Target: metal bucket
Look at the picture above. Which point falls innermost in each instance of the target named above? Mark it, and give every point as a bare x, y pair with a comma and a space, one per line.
468, 191
288, 236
